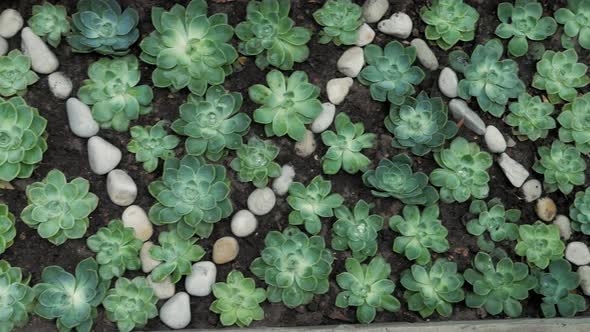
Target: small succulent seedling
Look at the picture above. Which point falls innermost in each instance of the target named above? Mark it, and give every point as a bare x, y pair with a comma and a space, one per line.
255, 162
562, 167
16, 297
530, 117
288, 104
580, 212
419, 233
130, 303
188, 48
59, 209
152, 143
341, 20
269, 34
15, 74
295, 267
539, 243
50, 22
237, 301
311, 203
560, 74
7, 229
177, 255
102, 26
367, 287
557, 286
575, 123
449, 21
576, 22
494, 219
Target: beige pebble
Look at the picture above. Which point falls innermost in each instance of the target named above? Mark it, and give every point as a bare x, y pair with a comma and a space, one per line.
546, 209
225, 250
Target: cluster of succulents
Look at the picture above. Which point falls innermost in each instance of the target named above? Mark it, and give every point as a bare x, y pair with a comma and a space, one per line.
562, 167
15, 74
494, 219
531, 117
176, 255
237, 301
130, 303
50, 22
341, 20
255, 162
580, 212
539, 243
575, 123
16, 297
556, 286
576, 22
152, 143
7, 228
560, 74
449, 21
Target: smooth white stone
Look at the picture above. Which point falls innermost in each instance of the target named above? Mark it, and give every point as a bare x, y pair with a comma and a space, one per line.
147, 262
584, 272
80, 119
281, 184
201, 279
514, 171
3, 46
102, 155
351, 62
176, 312
425, 54
43, 60
11, 22
325, 119
135, 217
121, 188
532, 190
577, 253
373, 10
495, 140
163, 290
461, 111
307, 146
448, 83
546, 209
60, 85
563, 223
261, 201
243, 223
366, 35
398, 25
338, 89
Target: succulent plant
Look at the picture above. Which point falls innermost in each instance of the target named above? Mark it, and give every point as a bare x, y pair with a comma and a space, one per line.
113, 93
16, 297
288, 104
15, 74
356, 230
116, 248
575, 123
255, 162
312, 202
580, 212
50, 22
576, 21
7, 230
367, 287
130, 303
419, 233
498, 288
212, 123
560, 73
189, 49
557, 286
464, 172
152, 143
420, 124
523, 21
530, 117
270, 35
341, 20
59, 209
102, 26
177, 255
192, 195
562, 167
389, 72
237, 301
395, 178
449, 21
345, 146
71, 299
433, 288
494, 219
294, 266
490, 80
539, 243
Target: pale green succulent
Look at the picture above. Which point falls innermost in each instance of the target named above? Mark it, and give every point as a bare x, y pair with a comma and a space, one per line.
341, 20
177, 255
540, 244
494, 219
15, 74
562, 167
237, 301
576, 21
50, 22
7, 229
449, 21
152, 143
580, 212
575, 123
130, 303
16, 297
560, 74
557, 286
531, 117
255, 162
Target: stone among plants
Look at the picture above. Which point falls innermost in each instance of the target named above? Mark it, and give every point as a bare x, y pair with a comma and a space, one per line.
448, 83
135, 217
176, 254
281, 184
80, 119
338, 88
546, 209
532, 190
225, 250
325, 119
351, 62
201, 279
15, 74
103, 156
575, 22
7, 229
374, 10
243, 223
398, 25
261, 201
130, 304
176, 312
539, 243
557, 286
530, 117
580, 212
50, 22
424, 54
493, 219
577, 253
495, 141
43, 60
341, 20
560, 74
121, 188
147, 262
562, 167
306, 147
237, 301
366, 35
356, 230
575, 123
514, 171
60, 85
255, 162
152, 143
11, 22
449, 21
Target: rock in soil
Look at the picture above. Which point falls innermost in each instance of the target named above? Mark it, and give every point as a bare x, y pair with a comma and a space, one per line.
176, 312
147, 262
461, 111
225, 250
351, 62
43, 60
325, 119
584, 272
532, 190
80, 119
366, 35
307, 146
374, 10
261, 201
338, 88
11, 22
201, 279
136, 218
163, 290
102, 155
243, 223
281, 184
563, 223
514, 171
546, 209
448, 83
398, 25
121, 188
577, 253
3, 46
425, 55
60, 85
494, 140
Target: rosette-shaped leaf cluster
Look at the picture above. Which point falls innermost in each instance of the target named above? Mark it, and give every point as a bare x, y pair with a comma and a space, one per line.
420, 124
177, 255
341, 20
116, 248
311, 203
562, 167
50, 22
576, 21
557, 286
102, 26
237, 301
498, 288
189, 49
494, 219
419, 233
539, 243
192, 195
367, 287
580, 212
294, 266
345, 146
270, 35
113, 93
288, 104
71, 299
530, 117
212, 123
130, 303
16, 297
356, 230
449, 21
7, 229
22, 139
575, 123
152, 143
395, 178
389, 72
255, 162
490, 80
523, 21
560, 73
59, 209
433, 288
15, 74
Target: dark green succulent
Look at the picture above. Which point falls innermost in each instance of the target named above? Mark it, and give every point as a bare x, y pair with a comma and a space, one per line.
560, 74
177, 255
576, 21
580, 212
152, 143
575, 123
130, 303
255, 162
341, 20
237, 301
530, 117
492, 218
449, 21
356, 230
7, 229
539, 243
15, 74
50, 22
16, 297
562, 167
557, 286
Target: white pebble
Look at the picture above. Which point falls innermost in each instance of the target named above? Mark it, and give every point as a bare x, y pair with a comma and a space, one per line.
425, 54
577, 253
532, 190
201, 279
366, 34
448, 83
514, 171
102, 155
338, 89
243, 223
164, 289
351, 62
80, 119
546, 209
11, 22
563, 223
135, 217
398, 25
261, 201
307, 146
325, 119
147, 262
176, 312
43, 60
3, 46
373, 10
60, 85
281, 184
495, 140
461, 111
121, 188
584, 272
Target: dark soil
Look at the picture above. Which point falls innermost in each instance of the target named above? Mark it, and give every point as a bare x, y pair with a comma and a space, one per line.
68, 153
